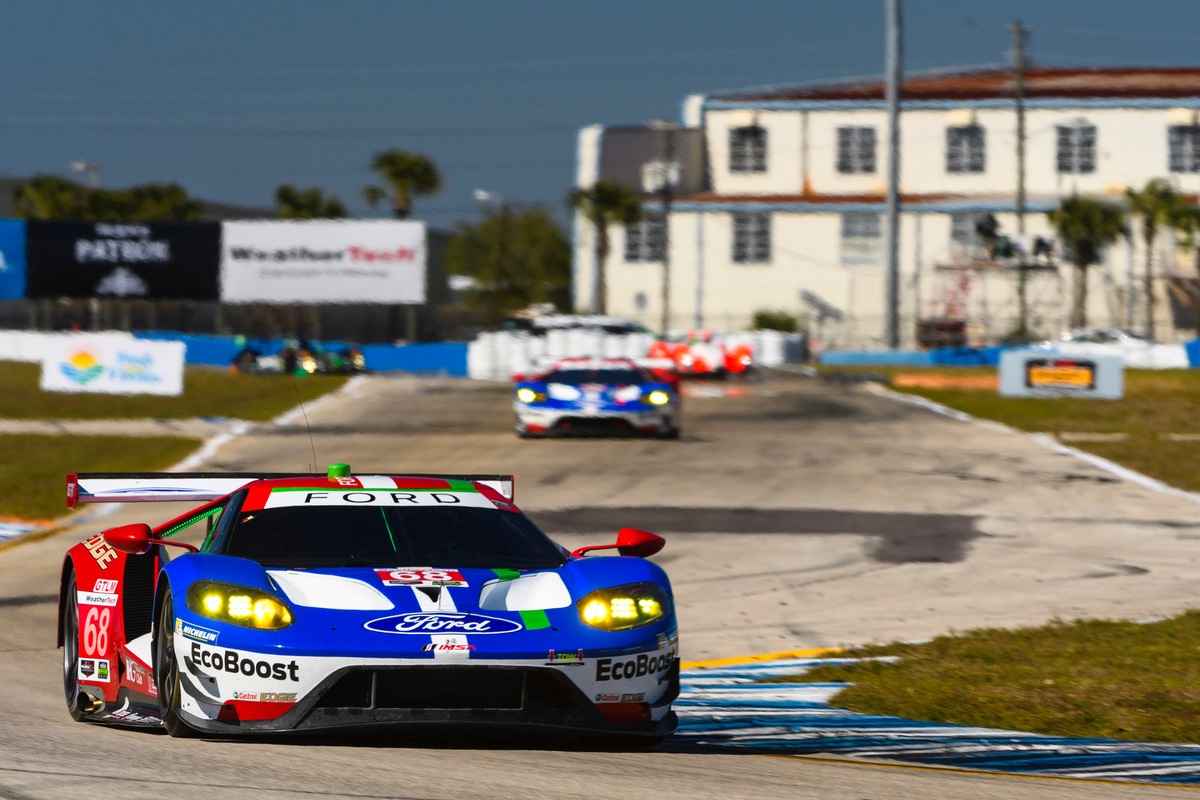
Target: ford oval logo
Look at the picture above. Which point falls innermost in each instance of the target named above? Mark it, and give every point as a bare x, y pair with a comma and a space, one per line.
442, 622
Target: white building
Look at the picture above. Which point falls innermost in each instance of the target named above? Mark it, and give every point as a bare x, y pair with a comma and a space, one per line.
778, 201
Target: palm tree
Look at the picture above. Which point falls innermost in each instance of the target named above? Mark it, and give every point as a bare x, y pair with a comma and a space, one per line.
603, 203
1186, 220
406, 174
1158, 203
310, 203
1087, 225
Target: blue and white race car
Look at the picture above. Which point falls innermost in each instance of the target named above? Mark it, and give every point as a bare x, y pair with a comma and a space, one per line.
315, 602
592, 397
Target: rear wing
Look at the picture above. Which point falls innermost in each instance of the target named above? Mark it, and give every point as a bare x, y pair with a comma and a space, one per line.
202, 487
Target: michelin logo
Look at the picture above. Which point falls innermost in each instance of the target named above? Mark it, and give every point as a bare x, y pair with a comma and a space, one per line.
195, 632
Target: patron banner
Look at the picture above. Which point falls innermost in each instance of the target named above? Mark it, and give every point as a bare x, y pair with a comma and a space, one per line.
323, 261
157, 260
12, 259
112, 364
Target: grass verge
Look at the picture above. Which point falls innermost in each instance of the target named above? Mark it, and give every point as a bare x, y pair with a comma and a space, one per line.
1120, 680
207, 392
33, 469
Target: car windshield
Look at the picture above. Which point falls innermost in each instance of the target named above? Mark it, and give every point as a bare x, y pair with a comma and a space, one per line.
575, 377
336, 536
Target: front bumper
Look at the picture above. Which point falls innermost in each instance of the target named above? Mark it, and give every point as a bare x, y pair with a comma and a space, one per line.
493, 699
592, 422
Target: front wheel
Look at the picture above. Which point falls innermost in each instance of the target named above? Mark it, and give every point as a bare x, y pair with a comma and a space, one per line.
166, 671
77, 701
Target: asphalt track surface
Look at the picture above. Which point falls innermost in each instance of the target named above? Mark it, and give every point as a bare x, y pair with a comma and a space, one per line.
798, 515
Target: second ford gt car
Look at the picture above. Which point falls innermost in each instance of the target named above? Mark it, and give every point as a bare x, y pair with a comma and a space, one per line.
594, 397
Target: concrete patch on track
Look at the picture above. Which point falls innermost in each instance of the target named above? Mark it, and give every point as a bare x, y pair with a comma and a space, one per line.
722, 708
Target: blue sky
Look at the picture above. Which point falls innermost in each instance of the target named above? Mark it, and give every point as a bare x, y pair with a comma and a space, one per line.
233, 98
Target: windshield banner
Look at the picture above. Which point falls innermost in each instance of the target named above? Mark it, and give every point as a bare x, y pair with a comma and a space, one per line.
402, 498
323, 261
142, 260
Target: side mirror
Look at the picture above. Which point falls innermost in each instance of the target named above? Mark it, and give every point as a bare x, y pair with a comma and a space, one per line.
634, 542
630, 542
133, 538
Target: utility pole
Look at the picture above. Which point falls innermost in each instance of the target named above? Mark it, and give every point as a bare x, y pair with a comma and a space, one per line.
1019, 32
891, 333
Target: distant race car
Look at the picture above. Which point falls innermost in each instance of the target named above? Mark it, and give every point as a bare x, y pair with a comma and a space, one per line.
594, 396
703, 355
299, 359
426, 603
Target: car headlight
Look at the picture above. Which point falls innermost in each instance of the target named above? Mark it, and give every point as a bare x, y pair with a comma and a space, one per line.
241, 605
624, 607
308, 364
527, 395
658, 398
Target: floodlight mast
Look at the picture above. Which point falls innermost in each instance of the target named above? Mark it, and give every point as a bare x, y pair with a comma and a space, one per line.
891, 331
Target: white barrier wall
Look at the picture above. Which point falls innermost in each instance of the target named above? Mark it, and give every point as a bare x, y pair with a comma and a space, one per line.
31, 345
499, 355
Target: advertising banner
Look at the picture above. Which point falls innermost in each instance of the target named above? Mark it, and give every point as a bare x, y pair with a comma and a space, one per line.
12, 259
323, 261
1044, 373
140, 260
112, 364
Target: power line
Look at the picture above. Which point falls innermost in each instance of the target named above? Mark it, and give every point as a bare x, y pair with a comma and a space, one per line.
178, 130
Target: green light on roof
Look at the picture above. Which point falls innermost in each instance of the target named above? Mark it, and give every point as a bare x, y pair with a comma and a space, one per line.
339, 471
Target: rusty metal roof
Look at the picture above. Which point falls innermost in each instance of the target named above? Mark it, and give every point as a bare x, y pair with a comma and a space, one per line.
1112, 82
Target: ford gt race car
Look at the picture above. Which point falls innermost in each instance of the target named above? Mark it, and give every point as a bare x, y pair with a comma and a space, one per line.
422, 603
598, 396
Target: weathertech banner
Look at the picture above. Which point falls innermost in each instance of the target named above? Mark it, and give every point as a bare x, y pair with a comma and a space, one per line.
323, 261
123, 260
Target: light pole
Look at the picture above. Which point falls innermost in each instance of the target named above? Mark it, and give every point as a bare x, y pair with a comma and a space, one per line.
92, 168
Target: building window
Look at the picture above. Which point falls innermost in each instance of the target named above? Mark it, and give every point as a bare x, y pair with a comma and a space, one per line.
751, 238
748, 149
644, 239
856, 150
966, 244
1184, 144
1076, 149
965, 149
862, 238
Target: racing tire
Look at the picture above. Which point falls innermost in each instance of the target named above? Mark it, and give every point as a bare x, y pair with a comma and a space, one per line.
672, 433
77, 701
166, 672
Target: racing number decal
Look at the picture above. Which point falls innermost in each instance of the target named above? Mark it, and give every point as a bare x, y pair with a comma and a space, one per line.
420, 576
95, 631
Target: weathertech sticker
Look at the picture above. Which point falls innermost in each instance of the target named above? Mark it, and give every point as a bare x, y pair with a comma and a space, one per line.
96, 599
420, 576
